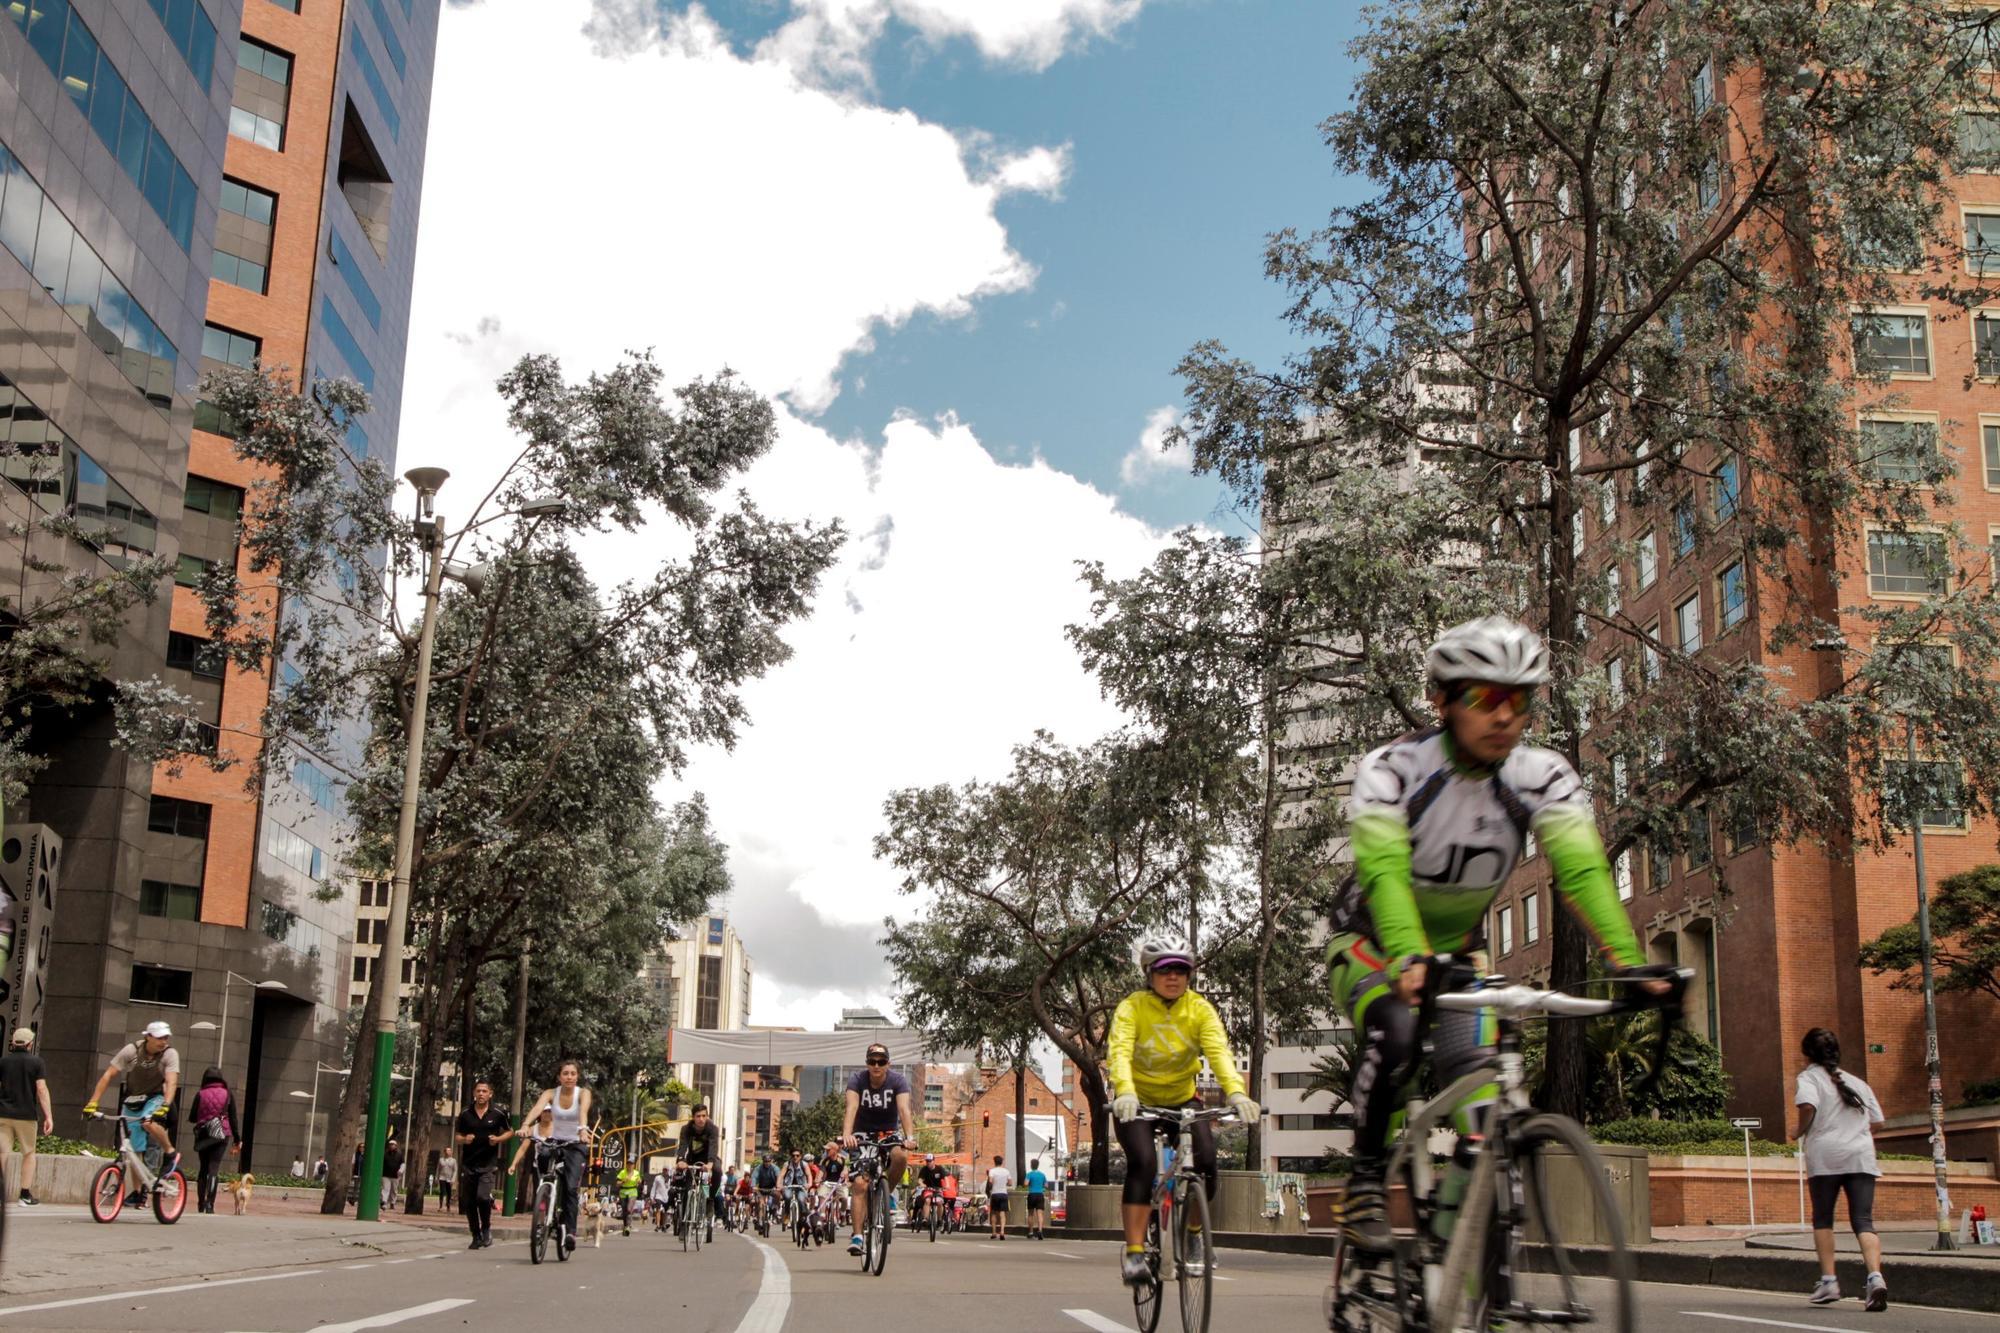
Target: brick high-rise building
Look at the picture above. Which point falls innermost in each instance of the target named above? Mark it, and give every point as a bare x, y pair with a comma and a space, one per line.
200, 182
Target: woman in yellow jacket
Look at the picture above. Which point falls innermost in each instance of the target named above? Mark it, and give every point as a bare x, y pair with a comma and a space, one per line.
1158, 1038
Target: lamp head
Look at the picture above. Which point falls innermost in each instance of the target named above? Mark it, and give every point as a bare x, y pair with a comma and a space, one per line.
545, 506
473, 577
427, 480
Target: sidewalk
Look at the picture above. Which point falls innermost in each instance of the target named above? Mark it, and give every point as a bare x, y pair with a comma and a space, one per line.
1963, 1279
59, 1247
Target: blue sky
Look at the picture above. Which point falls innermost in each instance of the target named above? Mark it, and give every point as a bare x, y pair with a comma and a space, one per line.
1195, 134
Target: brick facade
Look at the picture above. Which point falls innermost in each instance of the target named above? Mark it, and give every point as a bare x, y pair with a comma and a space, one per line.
985, 1134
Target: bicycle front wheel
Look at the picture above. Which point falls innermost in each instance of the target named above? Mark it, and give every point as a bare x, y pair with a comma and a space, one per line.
539, 1219
107, 1192
1146, 1295
170, 1197
1558, 1207
879, 1227
1194, 1257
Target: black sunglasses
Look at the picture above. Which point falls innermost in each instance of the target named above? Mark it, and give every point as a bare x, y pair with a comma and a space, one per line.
878, 1059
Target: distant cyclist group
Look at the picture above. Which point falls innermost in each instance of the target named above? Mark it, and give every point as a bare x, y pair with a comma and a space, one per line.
1439, 820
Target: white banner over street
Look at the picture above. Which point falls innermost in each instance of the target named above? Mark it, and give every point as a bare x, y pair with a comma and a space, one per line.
749, 1046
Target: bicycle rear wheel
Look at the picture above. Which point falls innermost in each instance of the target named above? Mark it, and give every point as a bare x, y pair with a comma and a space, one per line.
538, 1222
107, 1192
1557, 1198
1146, 1296
1194, 1246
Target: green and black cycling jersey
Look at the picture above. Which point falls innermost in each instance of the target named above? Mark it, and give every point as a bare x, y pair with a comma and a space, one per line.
1435, 839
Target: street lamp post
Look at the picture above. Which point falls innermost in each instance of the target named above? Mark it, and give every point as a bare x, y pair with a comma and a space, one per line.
222, 1029
1933, 1070
312, 1111
430, 528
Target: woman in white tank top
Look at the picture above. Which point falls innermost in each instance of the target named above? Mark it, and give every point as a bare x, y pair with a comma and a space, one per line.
568, 1106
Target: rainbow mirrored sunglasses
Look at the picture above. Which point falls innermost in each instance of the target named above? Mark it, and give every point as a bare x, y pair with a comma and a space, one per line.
1486, 697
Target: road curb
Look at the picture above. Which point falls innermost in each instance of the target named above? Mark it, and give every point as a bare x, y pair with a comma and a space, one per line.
1270, 1243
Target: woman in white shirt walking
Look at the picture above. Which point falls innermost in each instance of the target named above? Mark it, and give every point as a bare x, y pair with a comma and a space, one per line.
1836, 1111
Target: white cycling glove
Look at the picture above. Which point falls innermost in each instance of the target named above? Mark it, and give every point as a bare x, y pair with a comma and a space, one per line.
1125, 1107
1246, 1110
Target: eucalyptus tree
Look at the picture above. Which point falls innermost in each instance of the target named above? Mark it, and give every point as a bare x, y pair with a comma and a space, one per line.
557, 704
1034, 889
1617, 263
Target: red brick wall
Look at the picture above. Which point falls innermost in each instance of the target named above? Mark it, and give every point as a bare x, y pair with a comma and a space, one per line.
986, 1129
1717, 1196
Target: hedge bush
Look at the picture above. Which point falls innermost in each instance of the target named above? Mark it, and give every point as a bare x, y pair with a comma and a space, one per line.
1685, 1138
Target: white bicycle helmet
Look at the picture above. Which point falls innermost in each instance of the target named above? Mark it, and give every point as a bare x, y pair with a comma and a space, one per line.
1492, 648
1156, 950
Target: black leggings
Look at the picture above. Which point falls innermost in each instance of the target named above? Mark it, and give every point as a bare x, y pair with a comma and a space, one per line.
1142, 1162
1825, 1191
210, 1179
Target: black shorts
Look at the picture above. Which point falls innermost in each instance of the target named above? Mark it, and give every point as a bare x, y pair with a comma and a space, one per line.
1826, 1191
999, 1205
1038, 1203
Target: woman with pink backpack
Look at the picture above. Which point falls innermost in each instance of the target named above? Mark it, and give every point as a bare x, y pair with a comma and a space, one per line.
215, 1129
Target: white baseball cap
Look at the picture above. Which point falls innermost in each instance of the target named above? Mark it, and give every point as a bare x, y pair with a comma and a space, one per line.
158, 1029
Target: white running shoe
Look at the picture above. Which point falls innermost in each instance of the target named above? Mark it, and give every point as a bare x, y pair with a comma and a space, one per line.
1827, 1292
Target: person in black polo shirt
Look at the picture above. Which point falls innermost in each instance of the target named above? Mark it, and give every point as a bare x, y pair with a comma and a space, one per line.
482, 1127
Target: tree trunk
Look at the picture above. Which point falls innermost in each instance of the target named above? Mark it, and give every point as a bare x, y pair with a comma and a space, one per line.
1092, 1083
346, 1130
443, 993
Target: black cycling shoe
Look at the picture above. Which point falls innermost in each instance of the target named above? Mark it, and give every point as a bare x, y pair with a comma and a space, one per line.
1364, 1214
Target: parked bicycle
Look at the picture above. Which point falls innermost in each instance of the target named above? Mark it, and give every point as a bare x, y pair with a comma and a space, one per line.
1179, 1210
871, 1158
109, 1188
1486, 1243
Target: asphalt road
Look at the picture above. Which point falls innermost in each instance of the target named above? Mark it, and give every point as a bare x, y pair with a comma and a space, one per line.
735, 1286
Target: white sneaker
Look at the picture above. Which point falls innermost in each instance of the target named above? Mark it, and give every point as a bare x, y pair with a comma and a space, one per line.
1827, 1292
1877, 1294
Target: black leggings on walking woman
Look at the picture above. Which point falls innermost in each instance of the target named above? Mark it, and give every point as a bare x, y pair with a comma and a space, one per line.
211, 1176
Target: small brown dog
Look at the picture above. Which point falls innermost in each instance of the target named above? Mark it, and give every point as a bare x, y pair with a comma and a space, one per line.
241, 1190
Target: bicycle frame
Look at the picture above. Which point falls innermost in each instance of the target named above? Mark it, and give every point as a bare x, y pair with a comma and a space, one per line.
1167, 1183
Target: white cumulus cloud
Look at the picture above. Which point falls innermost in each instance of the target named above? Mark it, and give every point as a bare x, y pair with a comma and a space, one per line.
723, 212
835, 38
1151, 458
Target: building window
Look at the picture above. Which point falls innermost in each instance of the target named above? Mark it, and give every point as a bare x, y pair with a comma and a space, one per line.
1659, 867
1507, 930
243, 236
1614, 594
1701, 845
161, 985
1989, 437
385, 101
1732, 597
182, 819
1614, 672
346, 344
190, 570
1728, 489
361, 969
1937, 785
213, 498
263, 95
192, 33
222, 348
1892, 343
1899, 450
1684, 527
1906, 564
357, 282
1320, 1120
1621, 872
1649, 560
1708, 184
176, 902
1687, 624
1531, 921
1649, 655
708, 994
1979, 140
292, 849
187, 653
1982, 242
1701, 88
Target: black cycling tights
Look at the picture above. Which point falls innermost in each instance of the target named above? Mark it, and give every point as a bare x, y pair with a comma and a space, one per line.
1142, 1162
1389, 1047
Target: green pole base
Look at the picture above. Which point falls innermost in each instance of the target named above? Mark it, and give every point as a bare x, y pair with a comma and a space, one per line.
368, 1206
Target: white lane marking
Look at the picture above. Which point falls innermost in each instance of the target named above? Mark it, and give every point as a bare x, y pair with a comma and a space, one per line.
1060, 1255
1093, 1320
148, 1291
387, 1262
393, 1317
351, 1267
774, 1294
1768, 1323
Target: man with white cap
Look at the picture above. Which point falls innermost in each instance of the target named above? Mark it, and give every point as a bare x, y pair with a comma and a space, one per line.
152, 1070
24, 1106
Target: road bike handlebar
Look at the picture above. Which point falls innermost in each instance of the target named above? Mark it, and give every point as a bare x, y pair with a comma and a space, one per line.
1186, 1115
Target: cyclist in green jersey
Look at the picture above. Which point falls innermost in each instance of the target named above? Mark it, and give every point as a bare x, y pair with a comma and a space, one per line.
1438, 821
